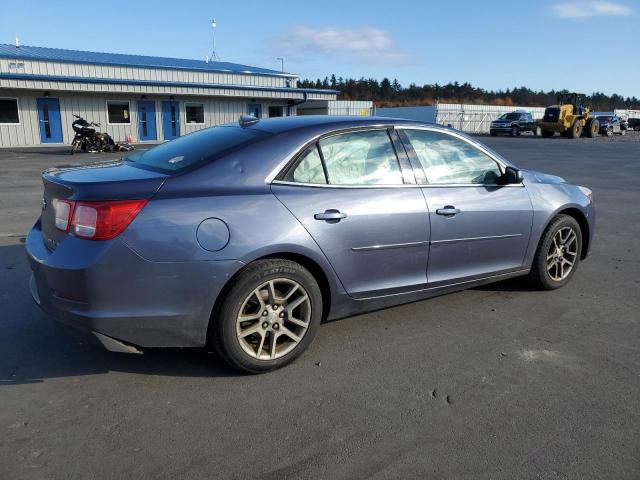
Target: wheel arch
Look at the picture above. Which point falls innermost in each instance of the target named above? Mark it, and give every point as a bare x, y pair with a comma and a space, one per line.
307, 262
579, 217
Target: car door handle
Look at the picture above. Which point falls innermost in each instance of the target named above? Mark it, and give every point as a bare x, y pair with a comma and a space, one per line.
448, 211
331, 216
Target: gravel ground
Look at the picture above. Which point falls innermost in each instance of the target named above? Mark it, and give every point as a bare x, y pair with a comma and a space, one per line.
497, 382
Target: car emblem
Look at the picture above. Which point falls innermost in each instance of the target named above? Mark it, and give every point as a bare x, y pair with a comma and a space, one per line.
43, 204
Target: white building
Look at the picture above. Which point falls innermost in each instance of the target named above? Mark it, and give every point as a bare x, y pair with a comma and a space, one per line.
148, 98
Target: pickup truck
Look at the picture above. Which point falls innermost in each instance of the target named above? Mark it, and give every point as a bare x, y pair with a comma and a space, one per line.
634, 124
514, 123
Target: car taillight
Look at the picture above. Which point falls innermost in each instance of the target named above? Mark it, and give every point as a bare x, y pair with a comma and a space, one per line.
99, 220
63, 210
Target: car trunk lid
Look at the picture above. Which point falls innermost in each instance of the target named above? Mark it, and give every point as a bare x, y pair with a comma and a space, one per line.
103, 181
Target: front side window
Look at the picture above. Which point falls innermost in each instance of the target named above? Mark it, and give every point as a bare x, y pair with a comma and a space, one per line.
118, 112
194, 112
450, 160
9, 110
361, 158
309, 168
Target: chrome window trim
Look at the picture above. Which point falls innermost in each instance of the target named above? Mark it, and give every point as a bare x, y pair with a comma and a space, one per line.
449, 185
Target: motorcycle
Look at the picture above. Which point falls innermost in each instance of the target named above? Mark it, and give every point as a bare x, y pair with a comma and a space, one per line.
89, 139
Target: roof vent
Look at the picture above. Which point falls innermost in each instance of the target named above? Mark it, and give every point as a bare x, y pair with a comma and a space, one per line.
248, 120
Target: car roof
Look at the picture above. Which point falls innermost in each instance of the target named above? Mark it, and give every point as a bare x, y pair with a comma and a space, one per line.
326, 123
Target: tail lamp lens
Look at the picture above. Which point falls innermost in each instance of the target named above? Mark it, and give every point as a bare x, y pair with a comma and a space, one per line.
100, 220
63, 210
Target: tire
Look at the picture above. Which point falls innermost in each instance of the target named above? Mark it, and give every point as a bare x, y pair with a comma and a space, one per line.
514, 131
609, 132
493, 133
547, 277
547, 133
623, 132
576, 130
636, 128
592, 128
266, 276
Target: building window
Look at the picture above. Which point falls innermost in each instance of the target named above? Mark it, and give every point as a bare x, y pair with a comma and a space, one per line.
118, 112
9, 111
194, 112
275, 112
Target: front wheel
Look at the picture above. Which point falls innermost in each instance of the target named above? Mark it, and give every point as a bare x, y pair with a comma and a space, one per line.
269, 316
558, 254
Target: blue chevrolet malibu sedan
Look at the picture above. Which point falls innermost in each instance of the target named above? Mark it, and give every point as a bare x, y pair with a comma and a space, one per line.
245, 237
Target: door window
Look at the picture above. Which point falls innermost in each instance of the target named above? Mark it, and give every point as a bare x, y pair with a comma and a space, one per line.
361, 158
309, 168
449, 160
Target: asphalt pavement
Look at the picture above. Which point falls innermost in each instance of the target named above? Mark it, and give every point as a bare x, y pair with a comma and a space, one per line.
497, 382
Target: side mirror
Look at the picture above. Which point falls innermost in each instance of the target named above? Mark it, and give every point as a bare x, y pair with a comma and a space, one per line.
512, 176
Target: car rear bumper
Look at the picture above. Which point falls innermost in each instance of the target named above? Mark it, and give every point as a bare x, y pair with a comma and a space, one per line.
106, 288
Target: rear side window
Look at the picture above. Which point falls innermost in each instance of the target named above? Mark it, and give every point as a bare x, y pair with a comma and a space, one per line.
449, 160
195, 149
309, 168
361, 158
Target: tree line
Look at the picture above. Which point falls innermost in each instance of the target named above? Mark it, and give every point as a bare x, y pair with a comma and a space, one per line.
390, 93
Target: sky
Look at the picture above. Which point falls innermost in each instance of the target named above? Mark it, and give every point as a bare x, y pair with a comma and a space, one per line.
580, 45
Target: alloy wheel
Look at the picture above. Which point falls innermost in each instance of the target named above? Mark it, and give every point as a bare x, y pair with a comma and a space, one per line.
562, 254
273, 319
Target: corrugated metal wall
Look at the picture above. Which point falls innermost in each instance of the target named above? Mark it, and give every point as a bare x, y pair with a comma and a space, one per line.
93, 107
33, 67
337, 107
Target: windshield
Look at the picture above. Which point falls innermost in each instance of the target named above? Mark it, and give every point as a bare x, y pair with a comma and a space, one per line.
510, 116
195, 149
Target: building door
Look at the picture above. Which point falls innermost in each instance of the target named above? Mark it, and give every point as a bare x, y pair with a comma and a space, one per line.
147, 120
49, 120
170, 120
254, 109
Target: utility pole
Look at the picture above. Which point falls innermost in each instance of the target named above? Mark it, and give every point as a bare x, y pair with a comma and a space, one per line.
214, 56
281, 63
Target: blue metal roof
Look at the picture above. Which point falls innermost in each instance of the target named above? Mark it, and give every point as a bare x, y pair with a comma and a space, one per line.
25, 52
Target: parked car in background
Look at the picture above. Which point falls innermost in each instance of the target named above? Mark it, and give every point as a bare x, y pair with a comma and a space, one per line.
514, 123
610, 125
634, 124
245, 237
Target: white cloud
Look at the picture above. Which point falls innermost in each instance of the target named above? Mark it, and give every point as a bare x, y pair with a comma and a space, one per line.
370, 45
591, 9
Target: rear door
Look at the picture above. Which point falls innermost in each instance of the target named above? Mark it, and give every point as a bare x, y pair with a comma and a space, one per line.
371, 222
479, 228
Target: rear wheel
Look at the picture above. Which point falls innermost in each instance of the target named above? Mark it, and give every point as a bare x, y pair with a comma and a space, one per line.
609, 132
558, 254
576, 129
269, 316
514, 131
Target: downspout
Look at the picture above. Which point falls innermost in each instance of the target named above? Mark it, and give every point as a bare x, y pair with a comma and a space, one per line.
295, 104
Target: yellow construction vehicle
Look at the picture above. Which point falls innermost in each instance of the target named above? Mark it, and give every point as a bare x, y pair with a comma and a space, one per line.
570, 117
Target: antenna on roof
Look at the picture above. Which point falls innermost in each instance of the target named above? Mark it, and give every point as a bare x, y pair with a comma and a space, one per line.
17, 42
214, 56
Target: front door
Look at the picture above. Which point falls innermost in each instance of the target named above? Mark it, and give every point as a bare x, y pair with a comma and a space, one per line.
170, 119
372, 228
147, 120
479, 228
49, 119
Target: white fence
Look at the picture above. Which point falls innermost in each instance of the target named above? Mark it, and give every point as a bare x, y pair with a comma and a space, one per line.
468, 118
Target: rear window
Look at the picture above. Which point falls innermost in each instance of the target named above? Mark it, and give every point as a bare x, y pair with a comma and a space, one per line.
195, 149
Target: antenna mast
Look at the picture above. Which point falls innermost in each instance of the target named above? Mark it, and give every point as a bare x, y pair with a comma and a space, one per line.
214, 56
